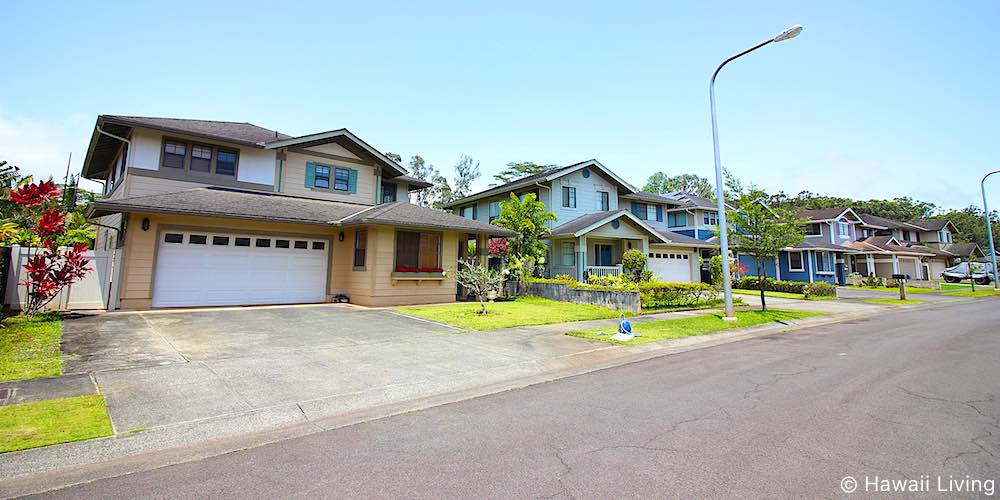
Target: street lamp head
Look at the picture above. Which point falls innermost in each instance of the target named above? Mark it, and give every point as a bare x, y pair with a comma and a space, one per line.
788, 33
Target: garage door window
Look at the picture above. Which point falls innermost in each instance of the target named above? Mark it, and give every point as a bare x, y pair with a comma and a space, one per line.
220, 240
281, 243
197, 239
263, 243
302, 245
173, 238
242, 242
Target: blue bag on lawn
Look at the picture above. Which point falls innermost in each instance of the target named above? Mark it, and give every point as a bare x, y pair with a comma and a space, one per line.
624, 326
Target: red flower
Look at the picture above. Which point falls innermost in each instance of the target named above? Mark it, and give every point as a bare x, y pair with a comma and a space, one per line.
498, 246
32, 195
51, 223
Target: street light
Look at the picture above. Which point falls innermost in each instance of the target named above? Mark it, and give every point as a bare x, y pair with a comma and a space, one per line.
989, 229
727, 285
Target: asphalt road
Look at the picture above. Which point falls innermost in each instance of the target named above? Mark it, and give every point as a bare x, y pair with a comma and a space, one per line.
909, 395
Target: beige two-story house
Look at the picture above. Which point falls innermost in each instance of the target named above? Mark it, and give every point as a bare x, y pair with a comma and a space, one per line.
208, 213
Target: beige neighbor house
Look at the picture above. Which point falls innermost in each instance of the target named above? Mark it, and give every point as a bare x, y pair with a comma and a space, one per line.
209, 213
925, 246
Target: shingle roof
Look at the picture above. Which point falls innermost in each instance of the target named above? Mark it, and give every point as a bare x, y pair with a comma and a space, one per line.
881, 243
413, 181
243, 132
931, 224
240, 204
691, 200
874, 220
652, 198
809, 245
820, 213
682, 239
583, 222
962, 249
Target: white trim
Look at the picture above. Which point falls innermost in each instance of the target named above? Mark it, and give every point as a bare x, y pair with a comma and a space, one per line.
811, 272
801, 261
592, 163
820, 235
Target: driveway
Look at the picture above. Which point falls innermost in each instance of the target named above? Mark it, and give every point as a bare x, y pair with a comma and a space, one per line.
164, 367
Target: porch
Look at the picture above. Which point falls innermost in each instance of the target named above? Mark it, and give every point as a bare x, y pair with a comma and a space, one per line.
885, 265
591, 256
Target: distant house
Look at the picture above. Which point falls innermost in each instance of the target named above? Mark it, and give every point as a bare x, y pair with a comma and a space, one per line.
840, 241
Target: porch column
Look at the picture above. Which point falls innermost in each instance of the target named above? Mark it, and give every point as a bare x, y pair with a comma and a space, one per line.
581, 257
871, 264
645, 249
777, 266
895, 264
809, 256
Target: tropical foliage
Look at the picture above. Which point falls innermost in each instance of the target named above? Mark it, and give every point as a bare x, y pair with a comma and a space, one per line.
528, 217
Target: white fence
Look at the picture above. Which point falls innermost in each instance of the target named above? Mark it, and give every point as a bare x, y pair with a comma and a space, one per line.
92, 292
604, 270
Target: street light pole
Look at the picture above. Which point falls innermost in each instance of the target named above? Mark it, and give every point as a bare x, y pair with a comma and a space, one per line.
727, 285
989, 229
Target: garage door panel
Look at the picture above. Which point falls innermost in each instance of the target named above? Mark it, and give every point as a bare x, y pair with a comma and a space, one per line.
671, 266
195, 275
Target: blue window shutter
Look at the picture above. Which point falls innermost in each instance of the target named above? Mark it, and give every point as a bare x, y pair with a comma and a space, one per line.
352, 180
659, 213
310, 174
635, 209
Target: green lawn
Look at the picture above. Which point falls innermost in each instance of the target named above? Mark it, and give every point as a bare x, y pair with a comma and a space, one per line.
30, 348
959, 286
892, 301
980, 292
41, 423
783, 295
653, 331
522, 311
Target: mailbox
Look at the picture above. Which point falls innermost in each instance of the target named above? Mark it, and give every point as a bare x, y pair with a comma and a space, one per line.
900, 276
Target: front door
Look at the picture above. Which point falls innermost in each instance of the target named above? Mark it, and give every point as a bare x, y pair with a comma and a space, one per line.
602, 255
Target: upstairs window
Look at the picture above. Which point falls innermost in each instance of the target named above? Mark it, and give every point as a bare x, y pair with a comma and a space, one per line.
603, 201
225, 162
494, 210
342, 180
569, 197
906, 235
173, 154
814, 230
710, 219
676, 219
201, 158
388, 193
322, 179
844, 229
641, 211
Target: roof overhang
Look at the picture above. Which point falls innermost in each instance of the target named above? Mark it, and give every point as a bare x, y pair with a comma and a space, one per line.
344, 138
612, 216
104, 146
592, 164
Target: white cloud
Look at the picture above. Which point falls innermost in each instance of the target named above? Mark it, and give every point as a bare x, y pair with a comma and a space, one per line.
41, 148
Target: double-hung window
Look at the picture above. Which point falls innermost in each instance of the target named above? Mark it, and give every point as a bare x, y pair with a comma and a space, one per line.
795, 261
844, 229
642, 211
173, 154
568, 253
388, 192
360, 247
494, 210
603, 201
201, 158
225, 162
710, 219
822, 262
342, 179
418, 252
814, 230
322, 179
676, 219
569, 197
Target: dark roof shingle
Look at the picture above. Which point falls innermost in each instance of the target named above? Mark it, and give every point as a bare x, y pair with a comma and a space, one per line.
242, 132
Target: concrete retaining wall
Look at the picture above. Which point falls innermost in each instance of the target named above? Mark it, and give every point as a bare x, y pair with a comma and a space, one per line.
614, 299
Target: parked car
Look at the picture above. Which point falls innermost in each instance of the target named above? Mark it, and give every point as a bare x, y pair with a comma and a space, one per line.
982, 273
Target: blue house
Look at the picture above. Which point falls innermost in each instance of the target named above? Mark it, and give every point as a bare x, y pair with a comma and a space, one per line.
822, 256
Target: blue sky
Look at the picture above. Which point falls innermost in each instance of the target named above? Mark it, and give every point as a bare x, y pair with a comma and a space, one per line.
893, 99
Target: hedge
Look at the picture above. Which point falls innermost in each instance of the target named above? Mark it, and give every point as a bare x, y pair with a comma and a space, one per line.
820, 289
770, 284
654, 295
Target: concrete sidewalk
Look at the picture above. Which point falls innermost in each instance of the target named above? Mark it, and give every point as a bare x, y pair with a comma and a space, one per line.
437, 367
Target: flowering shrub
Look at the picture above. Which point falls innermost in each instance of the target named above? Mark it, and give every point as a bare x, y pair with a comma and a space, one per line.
402, 269
53, 267
498, 246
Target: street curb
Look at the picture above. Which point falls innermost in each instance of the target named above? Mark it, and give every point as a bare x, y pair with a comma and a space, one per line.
36, 473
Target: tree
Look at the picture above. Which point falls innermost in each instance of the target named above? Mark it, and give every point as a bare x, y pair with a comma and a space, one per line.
661, 183
421, 170
54, 266
466, 172
517, 170
527, 217
394, 157
479, 280
761, 231
971, 226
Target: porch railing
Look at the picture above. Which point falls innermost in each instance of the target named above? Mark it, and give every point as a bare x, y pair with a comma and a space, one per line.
604, 270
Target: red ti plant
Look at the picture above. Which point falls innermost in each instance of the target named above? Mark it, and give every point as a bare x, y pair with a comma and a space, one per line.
52, 268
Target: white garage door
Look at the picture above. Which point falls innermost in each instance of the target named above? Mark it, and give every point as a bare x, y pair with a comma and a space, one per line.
672, 267
213, 269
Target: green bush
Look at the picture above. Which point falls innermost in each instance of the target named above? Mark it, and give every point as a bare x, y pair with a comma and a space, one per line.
634, 261
820, 289
658, 294
770, 284
607, 281
563, 277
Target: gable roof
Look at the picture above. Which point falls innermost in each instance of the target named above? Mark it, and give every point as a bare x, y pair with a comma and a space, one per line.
255, 205
681, 239
691, 200
827, 214
103, 148
933, 224
646, 196
963, 249
586, 223
886, 244
543, 176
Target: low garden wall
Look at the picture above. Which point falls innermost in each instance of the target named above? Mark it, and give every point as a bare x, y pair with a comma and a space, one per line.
621, 300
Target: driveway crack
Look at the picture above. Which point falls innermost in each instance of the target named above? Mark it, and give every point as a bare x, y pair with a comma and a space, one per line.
165, 339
